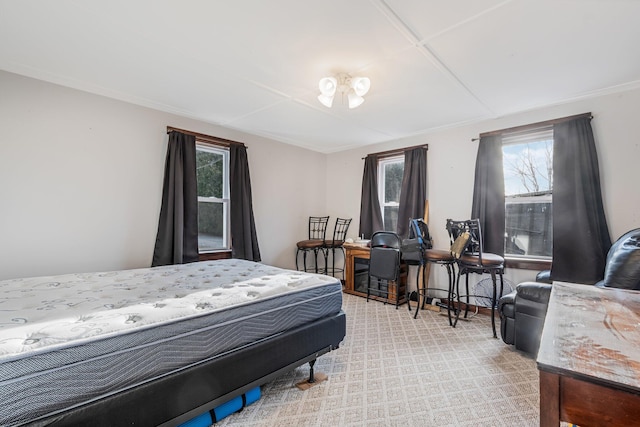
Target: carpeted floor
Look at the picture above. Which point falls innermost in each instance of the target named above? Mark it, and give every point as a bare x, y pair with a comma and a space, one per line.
393, 370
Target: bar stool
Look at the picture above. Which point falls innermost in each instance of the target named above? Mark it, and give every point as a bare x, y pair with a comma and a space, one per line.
315, 242
339, 234
429, 255
467, 249
444, 258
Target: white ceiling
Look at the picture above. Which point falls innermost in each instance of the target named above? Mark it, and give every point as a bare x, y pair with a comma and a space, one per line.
254, 65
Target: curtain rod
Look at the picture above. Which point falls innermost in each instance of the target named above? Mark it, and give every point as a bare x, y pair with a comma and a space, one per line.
206, 138
534, 125
393, 152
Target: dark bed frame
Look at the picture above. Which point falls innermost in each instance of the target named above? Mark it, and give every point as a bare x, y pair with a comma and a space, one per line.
179, 397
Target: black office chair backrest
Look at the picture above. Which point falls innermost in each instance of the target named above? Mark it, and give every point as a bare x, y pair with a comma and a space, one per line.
385, 239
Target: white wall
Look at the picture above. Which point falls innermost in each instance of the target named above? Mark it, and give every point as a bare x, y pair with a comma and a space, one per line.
451, 163
81, 182
81, 177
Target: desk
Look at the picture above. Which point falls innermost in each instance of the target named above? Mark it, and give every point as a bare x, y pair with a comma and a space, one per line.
357, 251
589, 357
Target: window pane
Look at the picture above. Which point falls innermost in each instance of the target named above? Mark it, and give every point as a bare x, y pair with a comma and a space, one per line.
390, 171
209, 167
393, 181
210, 226
390, 218
528, 176
528, 168
212, 168
529, 225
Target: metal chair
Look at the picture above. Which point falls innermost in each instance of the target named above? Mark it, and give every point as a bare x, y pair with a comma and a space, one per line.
315, 242
339, 234
384, 265
420, 229
467, 249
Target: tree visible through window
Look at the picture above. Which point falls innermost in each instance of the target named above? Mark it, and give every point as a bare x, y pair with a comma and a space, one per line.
212, 168
390, 171
528, 182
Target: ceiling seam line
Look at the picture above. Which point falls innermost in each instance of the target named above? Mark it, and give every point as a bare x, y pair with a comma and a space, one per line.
452, 76
403, 28
464, 21
396, 21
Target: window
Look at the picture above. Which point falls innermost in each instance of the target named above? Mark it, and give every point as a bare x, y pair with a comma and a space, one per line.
528, 184
212, 169
390, 171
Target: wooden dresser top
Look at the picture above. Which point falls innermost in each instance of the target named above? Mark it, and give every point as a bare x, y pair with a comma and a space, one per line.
593, 333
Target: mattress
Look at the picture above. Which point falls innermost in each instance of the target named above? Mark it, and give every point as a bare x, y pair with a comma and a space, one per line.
73, 339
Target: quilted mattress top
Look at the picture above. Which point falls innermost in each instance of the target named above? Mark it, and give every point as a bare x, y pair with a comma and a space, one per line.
44, 313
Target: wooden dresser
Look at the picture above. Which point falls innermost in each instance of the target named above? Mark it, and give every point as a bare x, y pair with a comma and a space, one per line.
589, 357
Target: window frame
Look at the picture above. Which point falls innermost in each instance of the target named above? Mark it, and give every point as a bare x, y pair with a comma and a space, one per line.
225, 200
521, 137
382, 162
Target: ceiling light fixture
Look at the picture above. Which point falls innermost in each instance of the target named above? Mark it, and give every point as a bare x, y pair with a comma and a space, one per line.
354, 87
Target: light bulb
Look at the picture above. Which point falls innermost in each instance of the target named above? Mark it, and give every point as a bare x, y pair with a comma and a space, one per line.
325, 100
360, 85
328, 86
355, 100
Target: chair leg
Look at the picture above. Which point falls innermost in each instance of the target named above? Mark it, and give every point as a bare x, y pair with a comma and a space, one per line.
304, 259
501, 288
333, 261
297, 252
368, 287
423, 290
315, 257
386, 284
459, 308
325, 253
451, 276
493, 304
417, 295
466, 307
320, 270
418, 292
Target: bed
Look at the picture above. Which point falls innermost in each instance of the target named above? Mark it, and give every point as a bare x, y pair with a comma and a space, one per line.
156, 346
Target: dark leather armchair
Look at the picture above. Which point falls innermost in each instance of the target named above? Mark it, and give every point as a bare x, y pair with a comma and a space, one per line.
522, 312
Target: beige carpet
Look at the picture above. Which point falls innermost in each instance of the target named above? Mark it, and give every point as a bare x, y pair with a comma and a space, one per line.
393, 370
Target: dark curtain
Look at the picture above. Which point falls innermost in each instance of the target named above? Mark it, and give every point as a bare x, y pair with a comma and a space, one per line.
413, 193
580, 234
370, 214
177, 238
244, 239
488, 193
